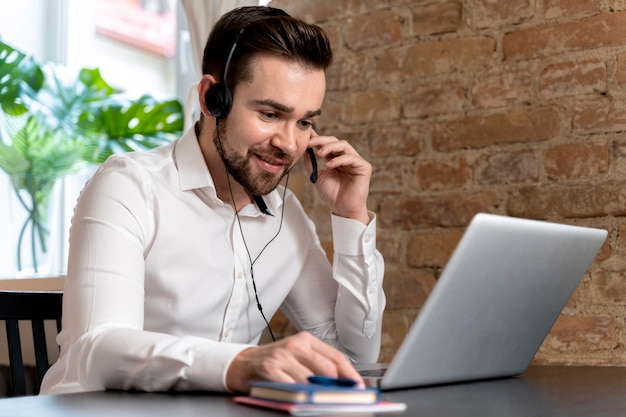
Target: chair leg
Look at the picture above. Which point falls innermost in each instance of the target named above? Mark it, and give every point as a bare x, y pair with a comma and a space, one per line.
41, 351
15, 357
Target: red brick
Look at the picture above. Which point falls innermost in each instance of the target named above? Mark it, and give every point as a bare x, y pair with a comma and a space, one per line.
334, 36
347, 72
331, 110
621, 68
502, 88
608, 288
479, 131
569, 8
507, 167
433, 58
321, 216
621, 240
581, 334
433, 98
432, 249
322, 10
386, 178
372, 30
433, 175
568, 201
437, 18
618, 163
395, 140
396, 324
573, 78
576, 160
489, 13
613, 251
607, 29
389, 247
604, 114
447, 211
408, 290
370, 106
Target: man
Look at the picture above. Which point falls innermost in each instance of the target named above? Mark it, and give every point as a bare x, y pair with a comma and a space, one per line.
179, 255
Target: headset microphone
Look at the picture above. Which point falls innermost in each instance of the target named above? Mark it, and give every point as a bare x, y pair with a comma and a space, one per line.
313, 176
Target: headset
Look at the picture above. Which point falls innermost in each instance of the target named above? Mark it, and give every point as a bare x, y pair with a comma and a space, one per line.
219, 100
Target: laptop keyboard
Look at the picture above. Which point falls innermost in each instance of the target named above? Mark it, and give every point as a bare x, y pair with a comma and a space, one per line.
372, 372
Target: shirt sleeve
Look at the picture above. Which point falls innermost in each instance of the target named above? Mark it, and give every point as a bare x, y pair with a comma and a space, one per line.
104, 343
344, 305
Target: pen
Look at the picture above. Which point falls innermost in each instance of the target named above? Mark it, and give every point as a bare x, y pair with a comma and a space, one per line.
326, 380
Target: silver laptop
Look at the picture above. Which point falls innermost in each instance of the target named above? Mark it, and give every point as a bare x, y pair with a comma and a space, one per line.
494, 303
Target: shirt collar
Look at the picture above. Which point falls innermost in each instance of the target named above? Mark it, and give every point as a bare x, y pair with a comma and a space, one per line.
192, 169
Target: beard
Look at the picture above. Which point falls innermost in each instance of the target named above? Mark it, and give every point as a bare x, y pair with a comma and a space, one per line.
238, 166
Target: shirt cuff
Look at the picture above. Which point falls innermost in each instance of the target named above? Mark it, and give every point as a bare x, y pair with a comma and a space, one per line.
352, 237
211, 364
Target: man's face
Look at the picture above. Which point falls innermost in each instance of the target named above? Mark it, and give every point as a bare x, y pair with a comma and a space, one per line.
270, 124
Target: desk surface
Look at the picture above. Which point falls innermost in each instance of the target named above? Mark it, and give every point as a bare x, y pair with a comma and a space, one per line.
32, 284
540, 391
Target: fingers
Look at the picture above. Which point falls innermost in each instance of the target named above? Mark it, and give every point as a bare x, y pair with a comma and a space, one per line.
314, 357
292, 359
339, 154
337, 364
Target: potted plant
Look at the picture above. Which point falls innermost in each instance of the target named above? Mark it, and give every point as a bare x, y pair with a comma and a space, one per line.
53, 122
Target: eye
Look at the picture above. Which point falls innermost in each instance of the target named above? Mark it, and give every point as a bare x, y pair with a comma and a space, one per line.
269, 115
305, 124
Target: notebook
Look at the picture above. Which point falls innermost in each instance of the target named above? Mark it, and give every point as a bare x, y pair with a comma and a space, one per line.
497, 298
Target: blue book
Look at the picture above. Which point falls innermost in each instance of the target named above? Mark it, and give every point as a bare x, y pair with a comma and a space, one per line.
314, 393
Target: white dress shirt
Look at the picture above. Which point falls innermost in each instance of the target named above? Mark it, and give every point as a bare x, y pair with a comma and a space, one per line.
159, 291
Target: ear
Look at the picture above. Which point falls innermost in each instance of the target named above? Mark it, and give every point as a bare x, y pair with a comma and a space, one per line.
206, 82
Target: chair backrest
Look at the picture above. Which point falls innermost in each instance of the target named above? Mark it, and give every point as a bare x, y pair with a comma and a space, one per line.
34, 307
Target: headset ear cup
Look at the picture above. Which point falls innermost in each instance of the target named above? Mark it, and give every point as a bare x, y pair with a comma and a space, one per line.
218, 100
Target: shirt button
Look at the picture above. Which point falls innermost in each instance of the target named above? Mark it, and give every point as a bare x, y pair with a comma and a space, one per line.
368, 239
371, 290
239, 275
226, 334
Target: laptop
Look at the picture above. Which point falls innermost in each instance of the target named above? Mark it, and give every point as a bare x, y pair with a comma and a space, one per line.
497, 298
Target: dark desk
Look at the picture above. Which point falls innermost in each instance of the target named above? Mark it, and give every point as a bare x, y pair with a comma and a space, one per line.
541, 391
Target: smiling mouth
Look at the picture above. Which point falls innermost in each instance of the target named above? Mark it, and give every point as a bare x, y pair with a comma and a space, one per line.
271, 164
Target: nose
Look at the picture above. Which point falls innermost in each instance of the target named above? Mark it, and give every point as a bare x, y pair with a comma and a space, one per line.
286, 138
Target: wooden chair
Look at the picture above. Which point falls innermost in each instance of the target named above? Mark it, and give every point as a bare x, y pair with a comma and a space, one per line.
34, 307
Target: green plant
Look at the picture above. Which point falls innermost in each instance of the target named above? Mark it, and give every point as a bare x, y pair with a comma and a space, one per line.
54, 122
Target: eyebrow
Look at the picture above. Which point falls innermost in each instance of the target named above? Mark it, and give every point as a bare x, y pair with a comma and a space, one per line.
283, 108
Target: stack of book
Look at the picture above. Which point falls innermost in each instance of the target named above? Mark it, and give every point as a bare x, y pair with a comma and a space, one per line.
321, 395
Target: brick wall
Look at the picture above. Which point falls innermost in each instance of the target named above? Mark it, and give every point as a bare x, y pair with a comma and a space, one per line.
515, 107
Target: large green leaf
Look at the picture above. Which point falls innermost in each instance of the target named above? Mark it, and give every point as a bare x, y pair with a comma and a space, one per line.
11, 161
40, 153
65, 97
124, 125
17, 70
83, 108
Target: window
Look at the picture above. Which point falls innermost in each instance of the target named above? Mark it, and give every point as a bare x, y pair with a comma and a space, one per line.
139, 46
132, 42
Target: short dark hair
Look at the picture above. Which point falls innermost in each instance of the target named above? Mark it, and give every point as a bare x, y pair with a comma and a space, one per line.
267, 30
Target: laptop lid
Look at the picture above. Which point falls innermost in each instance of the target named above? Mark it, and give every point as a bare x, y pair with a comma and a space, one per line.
495, 302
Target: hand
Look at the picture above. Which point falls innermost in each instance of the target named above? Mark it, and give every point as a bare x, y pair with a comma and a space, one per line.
344, 183
292, 359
